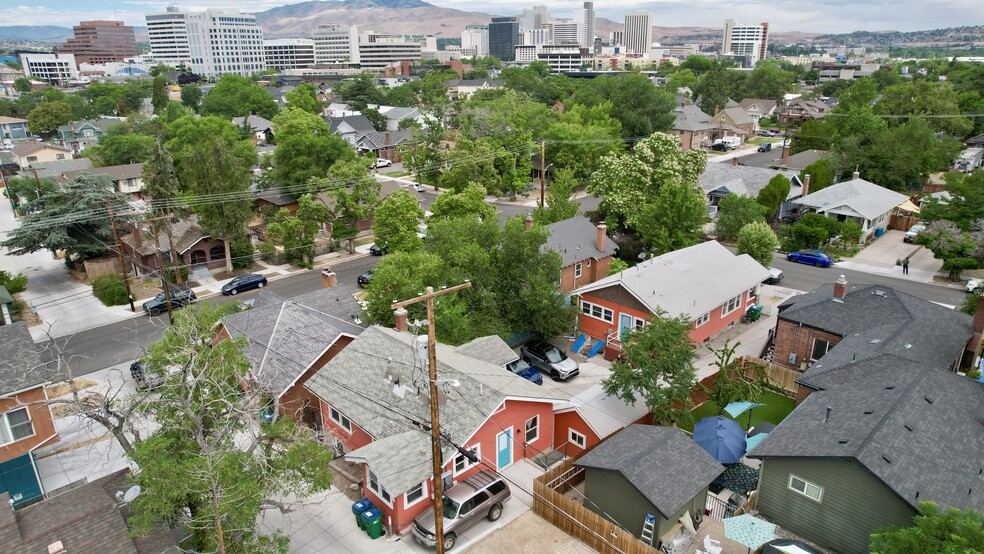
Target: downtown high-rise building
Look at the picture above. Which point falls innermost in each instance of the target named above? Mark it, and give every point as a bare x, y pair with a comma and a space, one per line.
477, 37
211, 42
503, 37
534, 18
751, 41
288, 53
586, 17
336, 43
638, 33
99, 42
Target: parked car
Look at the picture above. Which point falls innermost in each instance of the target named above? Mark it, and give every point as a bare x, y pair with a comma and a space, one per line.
549, 359
523, 369
767, 147
382, 162
377, 250
365, 278
248, 281
913, 232
720, 147
146, 378
810, 257
479, 496
972, 284
787, 142
775, 275
418, 187
180, 297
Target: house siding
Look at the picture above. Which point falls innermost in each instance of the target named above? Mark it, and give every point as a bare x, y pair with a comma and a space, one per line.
854, 503
350, 440
792, 338
302, 405
598, 269
44, 426
563, 423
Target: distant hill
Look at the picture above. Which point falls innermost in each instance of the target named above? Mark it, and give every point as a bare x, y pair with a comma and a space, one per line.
35, 33
935, 37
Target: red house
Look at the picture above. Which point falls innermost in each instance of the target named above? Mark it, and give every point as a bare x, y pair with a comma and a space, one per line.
375, 402
705, 282
585, 251
591, 417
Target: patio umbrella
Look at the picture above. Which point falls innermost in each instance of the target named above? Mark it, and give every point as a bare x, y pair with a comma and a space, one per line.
721, 437
788, 546
735, 409
749, 530
738, 478
754, 441
761, 427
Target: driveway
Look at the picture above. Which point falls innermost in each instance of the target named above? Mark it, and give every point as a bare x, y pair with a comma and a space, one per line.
880, 255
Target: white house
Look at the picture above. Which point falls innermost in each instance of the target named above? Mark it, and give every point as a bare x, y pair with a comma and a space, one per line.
856, 200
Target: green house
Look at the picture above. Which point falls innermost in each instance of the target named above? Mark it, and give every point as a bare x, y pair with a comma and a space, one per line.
851, 460
646, 470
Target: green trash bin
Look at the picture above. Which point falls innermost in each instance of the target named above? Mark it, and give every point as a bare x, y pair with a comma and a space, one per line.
358, 508
754, 312
374, 522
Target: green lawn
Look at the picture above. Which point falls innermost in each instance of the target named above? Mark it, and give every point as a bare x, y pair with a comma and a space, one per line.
776, 408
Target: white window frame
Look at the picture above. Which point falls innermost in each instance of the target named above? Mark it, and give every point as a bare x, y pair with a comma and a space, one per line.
602, 311
731, 305
379, 490
466, 464
813, 347
536, 427
574, 437
8, 432
806, 488
338, 417
577, 270
638, 323
702, 320
423, 495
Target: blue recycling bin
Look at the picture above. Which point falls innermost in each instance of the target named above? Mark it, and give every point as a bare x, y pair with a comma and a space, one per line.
879, 231
358, 509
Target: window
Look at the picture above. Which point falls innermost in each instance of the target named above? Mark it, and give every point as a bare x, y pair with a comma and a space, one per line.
731, 305
702, 319
639, 323
15, 425
805, 488
340, 419
217, 252
575, 438
820, 347
577, 270
473, 502
463, 464
377, 487
532, 429
597, 312
59, 156
413, 495
32, 158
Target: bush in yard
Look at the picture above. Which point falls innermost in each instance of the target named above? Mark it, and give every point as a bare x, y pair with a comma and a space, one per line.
242, 254
268, 252
617, 265
14, 284
110, 290
734, 212
758, 241
169, 273
851, 232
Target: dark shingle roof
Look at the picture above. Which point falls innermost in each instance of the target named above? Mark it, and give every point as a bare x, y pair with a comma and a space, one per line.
575, 239
662, 463
881, 327
20, 363
186, 232
360, 123
918, 431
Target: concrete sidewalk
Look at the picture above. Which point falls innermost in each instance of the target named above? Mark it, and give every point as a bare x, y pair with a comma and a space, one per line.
880, 256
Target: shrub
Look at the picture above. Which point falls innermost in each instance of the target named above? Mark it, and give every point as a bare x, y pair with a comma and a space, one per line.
14, 284
110, 290
242, 254
169, 272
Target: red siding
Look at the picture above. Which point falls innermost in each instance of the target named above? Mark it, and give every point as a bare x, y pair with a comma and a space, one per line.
41, 422
566, 421
356, 439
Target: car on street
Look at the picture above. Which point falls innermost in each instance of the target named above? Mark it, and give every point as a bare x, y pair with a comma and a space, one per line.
810, 257
767, 147
913, 232
787, 142
775, 275
549, 359
480, 496
419, 187
382, 162
144, 377
720, 147
180, 297
241, 283
377, 250
972, 284
523, 369
365, 278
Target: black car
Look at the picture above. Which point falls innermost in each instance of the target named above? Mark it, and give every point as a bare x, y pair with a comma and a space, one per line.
767, 147
377, 250
364, 279
248, 281
146, 379
720, 147
180, 297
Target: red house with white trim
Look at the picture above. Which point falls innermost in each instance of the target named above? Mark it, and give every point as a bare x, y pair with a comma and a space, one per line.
705, 282
375, 402
591, 417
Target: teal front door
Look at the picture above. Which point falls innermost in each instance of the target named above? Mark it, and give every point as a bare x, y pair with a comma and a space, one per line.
17, 479
503, 449
624, 324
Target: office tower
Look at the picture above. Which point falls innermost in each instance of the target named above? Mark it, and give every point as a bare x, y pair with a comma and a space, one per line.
586, 17
211, 42
477, 37
99, 42
376, 51
564, 31
745, 40
336, 43
57, 69
534, 18
616, 38
503, 37
536, 37
288, 53
638, 33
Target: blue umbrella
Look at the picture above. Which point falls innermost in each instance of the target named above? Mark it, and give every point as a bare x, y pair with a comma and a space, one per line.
749, 530
721, 437
735, 409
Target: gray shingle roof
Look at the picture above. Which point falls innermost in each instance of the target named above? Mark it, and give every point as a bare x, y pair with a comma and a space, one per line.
360, 123
361, 382
49, 170
606, 414
881, 327
20, 363
256, 123
114, 172
764, 105
857, 195
743, 180
186, 232
918, 431
575, 239
278, 196
690, 281
662, 463
492, 349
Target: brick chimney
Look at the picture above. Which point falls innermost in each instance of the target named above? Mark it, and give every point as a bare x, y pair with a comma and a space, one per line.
857, 174
785, 156
137, 235
806, 185
840, 288
400, 317
601, 239
328, 278
529, 222
734, 161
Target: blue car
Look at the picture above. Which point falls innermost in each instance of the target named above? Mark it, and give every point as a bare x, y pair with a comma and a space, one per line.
523, 369
810, 257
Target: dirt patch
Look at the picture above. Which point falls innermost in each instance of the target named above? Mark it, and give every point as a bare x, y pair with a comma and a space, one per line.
27, 315
61, 389
223, 275
345, 478
526, 530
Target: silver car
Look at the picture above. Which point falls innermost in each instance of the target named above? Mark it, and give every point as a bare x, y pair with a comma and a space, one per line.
477, 497
550, 360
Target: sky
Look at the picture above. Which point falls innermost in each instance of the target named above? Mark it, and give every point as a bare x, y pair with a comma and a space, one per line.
823, 16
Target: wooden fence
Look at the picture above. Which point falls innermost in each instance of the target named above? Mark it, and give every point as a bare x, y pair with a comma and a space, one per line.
776, 375
576, 520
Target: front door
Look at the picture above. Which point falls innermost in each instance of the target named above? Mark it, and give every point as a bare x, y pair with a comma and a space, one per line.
624, 324
503, 449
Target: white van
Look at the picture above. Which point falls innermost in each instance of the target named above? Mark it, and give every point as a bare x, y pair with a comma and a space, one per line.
730, 142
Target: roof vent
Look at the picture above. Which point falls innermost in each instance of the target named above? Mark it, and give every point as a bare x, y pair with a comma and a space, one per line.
842, 441
907, 427
886, 460
875, 341
878, 293
890, 387
826, 418
928, 399
56, 548
868, 412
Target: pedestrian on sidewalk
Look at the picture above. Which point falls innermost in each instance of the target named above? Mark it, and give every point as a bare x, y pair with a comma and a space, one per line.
905, 266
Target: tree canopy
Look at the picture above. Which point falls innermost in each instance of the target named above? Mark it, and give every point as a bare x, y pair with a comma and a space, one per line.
643, 108
237, 96
305, 149
398, 219
734, 212
934, 531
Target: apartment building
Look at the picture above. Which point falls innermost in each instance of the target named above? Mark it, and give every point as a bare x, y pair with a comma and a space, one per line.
638, 38
336, 42
749, 41
56, 69
477, 37
99, 42
288, 53
212, 42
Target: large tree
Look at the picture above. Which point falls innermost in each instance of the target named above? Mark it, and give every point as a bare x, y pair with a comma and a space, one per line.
773, 195
236, 96
304, 97
821, 174
48, 116
642, 108
759, 241
160, 97
656, 367
191, 96
673, 220
470, 202
560, 204
189, 133
296, 232
734, 212
964, 204
934, 531
306, 149
959, 249
581, 137
356, 195
120, 149
398, 219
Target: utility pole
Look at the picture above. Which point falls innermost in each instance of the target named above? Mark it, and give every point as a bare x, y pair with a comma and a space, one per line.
160, 267
6, 190
543, 169
429, 297
119, 252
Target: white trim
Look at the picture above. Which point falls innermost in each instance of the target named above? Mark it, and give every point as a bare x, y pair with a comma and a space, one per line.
572, 435
477, 449
379, 482
5, 423
813, 347
526, 430
702, 320
598, 285
591, 306
738, 300
578, 270
424, 495
806, 487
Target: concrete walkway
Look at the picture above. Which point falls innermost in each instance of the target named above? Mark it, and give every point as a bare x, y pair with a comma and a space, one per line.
880, 257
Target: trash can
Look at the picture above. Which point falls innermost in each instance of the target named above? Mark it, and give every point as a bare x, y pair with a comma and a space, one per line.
358, 508
879, 231
754, 312
373, 519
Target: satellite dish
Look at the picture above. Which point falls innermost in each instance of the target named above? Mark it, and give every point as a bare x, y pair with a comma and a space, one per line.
130, 495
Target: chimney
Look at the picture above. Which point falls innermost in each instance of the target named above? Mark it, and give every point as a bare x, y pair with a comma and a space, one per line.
840, 288
529, 222
387, 138
857, 174
785, 156
137, 235
806, 185
400, 315
601, 240
734, 161
328, 278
